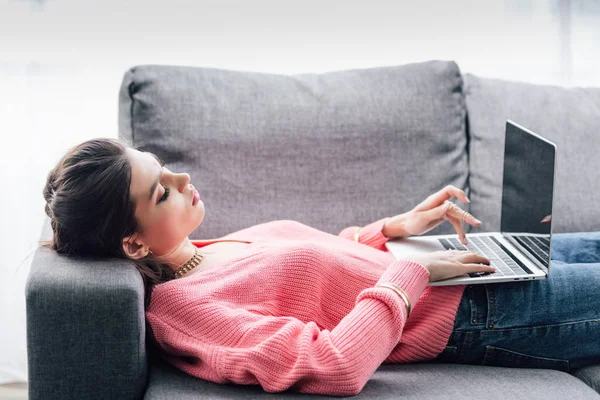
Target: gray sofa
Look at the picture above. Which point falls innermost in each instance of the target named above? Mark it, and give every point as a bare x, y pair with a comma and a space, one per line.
328, 150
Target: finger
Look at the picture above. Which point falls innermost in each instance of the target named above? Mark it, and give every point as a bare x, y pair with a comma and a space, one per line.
472, 257
434, 217
459, 229
438, 214
462, 215
478, 268
438, 198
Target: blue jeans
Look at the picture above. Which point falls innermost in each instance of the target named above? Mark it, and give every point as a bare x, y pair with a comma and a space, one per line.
553, 323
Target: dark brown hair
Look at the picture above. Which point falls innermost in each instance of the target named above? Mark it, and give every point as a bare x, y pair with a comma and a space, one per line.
90, 208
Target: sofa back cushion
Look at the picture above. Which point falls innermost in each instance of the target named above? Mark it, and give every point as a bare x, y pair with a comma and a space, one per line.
328, 150
568, 117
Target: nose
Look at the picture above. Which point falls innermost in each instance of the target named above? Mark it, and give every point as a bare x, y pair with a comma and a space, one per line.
182, 181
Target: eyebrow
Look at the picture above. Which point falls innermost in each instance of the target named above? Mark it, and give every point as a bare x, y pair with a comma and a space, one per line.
155, 183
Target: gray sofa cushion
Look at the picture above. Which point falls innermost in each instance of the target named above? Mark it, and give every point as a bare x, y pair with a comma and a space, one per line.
568, 117
393, 381
328, 150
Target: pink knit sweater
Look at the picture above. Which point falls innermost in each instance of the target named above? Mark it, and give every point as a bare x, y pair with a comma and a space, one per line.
298, 310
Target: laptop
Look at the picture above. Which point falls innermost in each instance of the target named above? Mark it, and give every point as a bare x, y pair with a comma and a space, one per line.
521, 250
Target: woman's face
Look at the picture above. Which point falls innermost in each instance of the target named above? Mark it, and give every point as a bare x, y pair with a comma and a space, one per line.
164, 209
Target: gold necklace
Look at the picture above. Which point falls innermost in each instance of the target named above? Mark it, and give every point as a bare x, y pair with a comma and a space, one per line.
191, 264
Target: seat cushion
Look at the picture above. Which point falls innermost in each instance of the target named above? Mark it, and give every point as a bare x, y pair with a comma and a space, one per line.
393, 381
328, 150
568, 117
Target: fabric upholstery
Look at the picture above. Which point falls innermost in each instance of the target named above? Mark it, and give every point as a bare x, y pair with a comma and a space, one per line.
590, 375
327, 150
393, 381
568, 117
85, 327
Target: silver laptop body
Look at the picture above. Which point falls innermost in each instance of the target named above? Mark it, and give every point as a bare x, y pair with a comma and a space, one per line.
522, 249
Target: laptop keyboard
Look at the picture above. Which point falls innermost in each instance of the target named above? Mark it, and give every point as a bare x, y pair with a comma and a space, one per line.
490, 247
539, 247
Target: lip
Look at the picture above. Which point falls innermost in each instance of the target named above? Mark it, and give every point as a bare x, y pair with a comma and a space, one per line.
195, 196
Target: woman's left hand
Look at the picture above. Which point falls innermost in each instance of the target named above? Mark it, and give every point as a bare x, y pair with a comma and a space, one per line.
430, 213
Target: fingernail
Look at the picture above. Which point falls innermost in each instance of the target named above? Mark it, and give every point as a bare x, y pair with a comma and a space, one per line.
476, 220
468, 201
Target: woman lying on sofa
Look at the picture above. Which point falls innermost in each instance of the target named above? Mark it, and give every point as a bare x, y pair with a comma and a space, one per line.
287, 306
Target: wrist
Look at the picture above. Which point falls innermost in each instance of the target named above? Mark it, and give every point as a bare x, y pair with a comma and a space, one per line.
393, 228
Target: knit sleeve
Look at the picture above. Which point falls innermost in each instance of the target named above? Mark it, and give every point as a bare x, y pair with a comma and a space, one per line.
371, 234
217, 342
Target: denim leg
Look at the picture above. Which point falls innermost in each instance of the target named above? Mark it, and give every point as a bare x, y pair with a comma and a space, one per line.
470, 317
552, 323
576, 247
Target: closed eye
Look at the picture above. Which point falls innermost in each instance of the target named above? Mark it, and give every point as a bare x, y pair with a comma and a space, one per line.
164, 196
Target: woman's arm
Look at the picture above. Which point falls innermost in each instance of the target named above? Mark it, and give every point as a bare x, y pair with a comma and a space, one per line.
233, 345
430, 213
371, 235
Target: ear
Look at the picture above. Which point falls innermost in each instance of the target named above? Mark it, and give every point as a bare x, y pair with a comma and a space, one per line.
134, 247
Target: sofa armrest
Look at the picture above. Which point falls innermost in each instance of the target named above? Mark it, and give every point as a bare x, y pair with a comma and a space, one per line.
85, 327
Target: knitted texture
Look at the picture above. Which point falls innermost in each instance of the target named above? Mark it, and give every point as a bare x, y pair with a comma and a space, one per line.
297, 310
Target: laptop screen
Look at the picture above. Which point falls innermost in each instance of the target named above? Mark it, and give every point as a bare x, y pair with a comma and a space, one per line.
527, 190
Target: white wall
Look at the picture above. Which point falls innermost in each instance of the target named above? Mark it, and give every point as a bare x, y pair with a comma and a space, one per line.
61, 62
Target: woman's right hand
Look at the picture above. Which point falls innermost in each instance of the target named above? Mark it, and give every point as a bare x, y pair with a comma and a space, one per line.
452, 263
